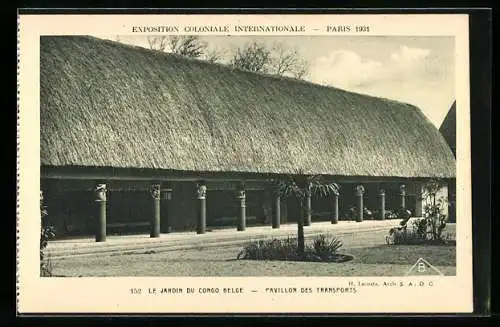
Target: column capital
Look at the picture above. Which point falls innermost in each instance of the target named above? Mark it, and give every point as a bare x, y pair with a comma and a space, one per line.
100, 191
381, 191
402, 189
155, 191
201, 190
240, 194
360, 190
240, 191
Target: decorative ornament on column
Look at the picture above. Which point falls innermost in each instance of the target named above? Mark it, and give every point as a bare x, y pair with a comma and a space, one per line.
101, 199
201, 191
241, 196
382, 204
335, 215
155, 191
100, 190
402, 190
360, 191
155, 222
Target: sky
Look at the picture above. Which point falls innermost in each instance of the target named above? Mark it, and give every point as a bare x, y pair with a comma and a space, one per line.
415, 70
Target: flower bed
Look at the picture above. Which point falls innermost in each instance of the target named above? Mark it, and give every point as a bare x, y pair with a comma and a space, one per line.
323, 248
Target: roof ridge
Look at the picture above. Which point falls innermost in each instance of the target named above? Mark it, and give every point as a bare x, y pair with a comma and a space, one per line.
146, 111
229, 67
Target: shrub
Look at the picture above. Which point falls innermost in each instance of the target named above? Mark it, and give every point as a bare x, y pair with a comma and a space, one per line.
326, 246
430, 228
323, 247
436, 221
415, 234
407, 237
285, 249
403, 214
389, 214
352, 213
47, 233
434, 209
418, 233
420, 228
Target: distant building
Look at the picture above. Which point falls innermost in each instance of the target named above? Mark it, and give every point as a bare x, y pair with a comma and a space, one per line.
138, 139
449, 131
449, 126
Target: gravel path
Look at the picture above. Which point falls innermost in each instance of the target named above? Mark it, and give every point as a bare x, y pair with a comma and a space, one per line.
372, 258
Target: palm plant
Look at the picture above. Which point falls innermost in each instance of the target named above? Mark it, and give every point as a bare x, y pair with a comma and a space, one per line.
301, 186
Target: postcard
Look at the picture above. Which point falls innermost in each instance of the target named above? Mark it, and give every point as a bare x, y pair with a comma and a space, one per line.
250, 164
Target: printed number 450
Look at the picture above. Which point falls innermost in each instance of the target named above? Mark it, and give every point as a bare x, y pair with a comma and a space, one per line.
135, 291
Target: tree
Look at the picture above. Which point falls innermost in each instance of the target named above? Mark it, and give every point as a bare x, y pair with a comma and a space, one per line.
213, 55
286, 61
157, 42
300, 186
184, 45
278, 60
253, 56
188, 45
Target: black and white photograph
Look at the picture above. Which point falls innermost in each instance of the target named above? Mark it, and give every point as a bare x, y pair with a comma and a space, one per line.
178, 153
247, 156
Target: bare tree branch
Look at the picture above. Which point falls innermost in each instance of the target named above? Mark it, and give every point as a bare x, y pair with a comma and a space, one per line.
287, 61
283, 59
214, 55
157, 42
254, 57
278, 59
301, 69
189, 45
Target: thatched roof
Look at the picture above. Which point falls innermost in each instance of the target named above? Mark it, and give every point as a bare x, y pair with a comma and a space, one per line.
108, 104
449, 126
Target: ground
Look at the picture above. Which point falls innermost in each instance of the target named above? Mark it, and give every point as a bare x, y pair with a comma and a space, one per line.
372, 257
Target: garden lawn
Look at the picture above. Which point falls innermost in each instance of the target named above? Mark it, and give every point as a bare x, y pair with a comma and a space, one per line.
369, 260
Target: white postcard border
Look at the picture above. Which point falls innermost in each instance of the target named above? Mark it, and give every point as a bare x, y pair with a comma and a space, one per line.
112, 295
